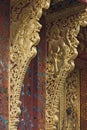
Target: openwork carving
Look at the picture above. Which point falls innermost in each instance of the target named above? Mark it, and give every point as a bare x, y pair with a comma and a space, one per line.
62, 40
72, 90
25, 15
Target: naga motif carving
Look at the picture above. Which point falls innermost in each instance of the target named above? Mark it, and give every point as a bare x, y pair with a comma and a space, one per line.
25, 27
63, 43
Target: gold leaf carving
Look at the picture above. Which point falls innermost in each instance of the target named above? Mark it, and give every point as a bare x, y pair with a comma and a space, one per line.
62, 39
72, 90
25, 27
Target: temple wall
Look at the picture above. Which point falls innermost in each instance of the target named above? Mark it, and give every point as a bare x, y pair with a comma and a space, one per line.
44, 91
4, 62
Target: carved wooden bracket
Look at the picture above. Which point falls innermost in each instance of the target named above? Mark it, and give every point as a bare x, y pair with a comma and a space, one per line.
63, 43
25, 27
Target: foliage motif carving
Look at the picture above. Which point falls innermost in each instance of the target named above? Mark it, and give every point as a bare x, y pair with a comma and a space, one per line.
72, 89
62, 40
25, 27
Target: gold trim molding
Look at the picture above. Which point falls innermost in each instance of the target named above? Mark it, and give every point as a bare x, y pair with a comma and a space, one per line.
25, 27
62, 39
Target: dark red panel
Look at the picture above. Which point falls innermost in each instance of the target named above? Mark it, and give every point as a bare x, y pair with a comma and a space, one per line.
84, 100
4, 61
42, 54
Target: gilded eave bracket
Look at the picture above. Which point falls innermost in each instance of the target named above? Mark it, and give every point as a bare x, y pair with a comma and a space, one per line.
62, 35
25, 29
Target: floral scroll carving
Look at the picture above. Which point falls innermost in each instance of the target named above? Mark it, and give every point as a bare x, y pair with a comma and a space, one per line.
25, 27
72, 87
62, 39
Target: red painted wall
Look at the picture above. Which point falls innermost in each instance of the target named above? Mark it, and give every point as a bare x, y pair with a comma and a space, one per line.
4, 59
83, 99
81, 63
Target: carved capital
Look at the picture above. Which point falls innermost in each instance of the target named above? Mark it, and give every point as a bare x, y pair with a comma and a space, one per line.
63, 45
25, 27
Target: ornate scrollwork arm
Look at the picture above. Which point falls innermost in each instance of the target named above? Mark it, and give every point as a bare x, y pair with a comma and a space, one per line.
63, 45
25, 27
